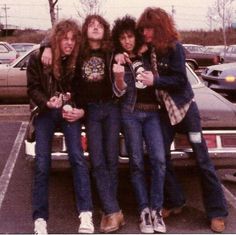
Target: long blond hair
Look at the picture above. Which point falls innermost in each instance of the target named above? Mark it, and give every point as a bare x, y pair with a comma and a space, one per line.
58, 33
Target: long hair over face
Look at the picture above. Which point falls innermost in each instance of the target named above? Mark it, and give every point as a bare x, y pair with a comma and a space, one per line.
165, 32
125, 25
59, 31
105, 43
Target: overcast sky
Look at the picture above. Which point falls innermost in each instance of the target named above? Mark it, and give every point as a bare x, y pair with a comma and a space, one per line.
35, 14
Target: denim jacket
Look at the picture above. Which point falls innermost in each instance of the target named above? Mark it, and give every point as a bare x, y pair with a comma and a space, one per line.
172, 75
128, 96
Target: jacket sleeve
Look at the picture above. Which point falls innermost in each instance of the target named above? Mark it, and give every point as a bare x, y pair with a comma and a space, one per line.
34, 87
176, 76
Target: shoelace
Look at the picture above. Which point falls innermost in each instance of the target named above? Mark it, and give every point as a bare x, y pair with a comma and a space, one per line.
159, 218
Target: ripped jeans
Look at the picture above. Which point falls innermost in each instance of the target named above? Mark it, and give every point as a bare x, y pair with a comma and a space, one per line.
212, 193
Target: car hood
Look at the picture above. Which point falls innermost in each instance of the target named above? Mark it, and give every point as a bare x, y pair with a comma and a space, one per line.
3, 66
215, 110
223, 67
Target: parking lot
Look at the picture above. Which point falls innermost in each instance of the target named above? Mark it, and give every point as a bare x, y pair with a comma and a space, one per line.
16, 183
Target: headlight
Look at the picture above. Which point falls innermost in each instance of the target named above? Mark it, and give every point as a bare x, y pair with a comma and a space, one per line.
230, 78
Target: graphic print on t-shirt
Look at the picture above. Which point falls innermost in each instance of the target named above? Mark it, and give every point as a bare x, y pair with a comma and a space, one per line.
93, 69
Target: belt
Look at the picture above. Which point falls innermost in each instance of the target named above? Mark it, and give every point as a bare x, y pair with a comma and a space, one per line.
147, 107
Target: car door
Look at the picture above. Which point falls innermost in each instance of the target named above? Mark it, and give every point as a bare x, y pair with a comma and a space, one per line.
17, 81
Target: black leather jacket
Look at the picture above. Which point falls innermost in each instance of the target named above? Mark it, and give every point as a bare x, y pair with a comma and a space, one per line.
40, 83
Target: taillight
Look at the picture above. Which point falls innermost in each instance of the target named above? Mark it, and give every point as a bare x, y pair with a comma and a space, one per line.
84, 142
216, 60
182, 142
228, 141
210, 140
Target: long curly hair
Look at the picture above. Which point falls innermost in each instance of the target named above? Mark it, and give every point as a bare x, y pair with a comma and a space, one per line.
125, 25
58, 33
165, 32
106, 42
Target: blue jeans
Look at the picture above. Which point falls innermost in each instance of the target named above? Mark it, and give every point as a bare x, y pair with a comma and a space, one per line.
212, 193
142, 126
103, 128
45, 125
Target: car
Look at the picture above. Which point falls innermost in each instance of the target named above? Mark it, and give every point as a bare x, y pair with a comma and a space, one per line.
216, 49
22, 47
221, 78
218, 117
7, 53
13, 82
198, 58
229, 54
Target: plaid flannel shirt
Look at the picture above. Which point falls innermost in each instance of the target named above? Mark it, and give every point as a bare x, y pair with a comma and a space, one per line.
175, 114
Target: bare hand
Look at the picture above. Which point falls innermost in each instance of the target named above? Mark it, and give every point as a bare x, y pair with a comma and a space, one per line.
146, 78
119, 72
73, 115
122, 58
55, 102
47, 56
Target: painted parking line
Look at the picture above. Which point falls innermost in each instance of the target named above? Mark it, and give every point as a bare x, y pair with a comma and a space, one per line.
10, 164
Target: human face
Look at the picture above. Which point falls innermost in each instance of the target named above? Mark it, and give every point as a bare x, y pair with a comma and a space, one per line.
95, 30
148, 34
127, 41
67, 43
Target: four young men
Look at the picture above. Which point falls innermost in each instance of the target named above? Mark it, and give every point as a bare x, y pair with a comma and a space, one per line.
156, 97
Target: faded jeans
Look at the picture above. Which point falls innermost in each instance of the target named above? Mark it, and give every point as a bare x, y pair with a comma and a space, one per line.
139, 126
103, 128
45, 125
212, 193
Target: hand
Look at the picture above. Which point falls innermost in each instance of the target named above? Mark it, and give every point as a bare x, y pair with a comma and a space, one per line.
122, 58
66, 97
55, 102
73, 115
46, 57
119, 71
146, 78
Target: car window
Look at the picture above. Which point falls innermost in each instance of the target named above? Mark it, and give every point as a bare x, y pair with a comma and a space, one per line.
23, 62
3, 49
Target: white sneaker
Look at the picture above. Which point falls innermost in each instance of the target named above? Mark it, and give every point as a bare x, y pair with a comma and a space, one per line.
145, 224
86, 222
158, 222
40, 226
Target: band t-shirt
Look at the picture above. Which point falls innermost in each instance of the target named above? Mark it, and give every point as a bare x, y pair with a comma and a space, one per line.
95, 76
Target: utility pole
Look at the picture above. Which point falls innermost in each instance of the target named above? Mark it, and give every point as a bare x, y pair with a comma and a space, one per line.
173, 11
57, 10
5, 8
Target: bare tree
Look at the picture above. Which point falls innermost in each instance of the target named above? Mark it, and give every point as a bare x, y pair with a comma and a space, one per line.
86, 7
221, 14
52, 4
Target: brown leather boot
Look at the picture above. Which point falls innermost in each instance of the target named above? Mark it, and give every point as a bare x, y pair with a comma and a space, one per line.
113, 222
103, 223
218, 225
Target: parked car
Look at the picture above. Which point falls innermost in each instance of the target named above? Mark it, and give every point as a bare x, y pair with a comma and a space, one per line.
198, 58
7, 53
22, 47
216, 49
221, 78
13, 80
230, 54
218, 117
